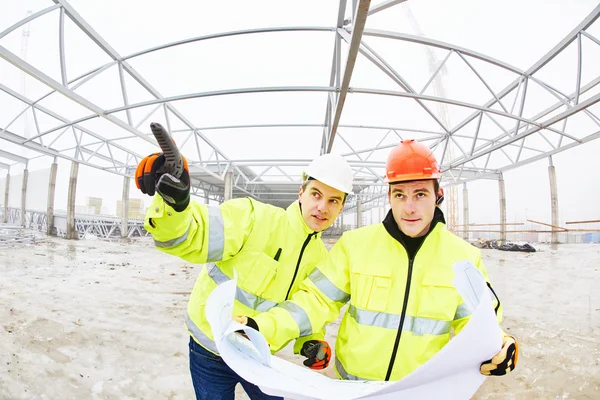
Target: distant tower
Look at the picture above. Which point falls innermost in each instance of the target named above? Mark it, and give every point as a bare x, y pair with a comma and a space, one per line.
451, 194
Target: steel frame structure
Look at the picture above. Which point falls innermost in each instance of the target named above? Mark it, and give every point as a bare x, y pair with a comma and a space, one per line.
102, 226
208, 168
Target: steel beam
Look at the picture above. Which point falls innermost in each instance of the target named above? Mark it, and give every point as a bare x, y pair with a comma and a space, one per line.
360, 19
48, 81
14, 157
384, 5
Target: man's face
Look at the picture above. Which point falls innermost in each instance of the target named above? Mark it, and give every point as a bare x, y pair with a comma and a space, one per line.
413, 205
321, 204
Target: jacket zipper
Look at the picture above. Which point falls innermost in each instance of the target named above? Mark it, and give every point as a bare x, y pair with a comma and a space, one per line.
403, 315
298, 263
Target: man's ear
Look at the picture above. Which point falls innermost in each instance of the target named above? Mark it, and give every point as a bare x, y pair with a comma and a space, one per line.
440, 197
300, 192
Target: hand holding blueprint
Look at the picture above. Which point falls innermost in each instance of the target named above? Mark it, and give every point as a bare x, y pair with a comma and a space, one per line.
453, 373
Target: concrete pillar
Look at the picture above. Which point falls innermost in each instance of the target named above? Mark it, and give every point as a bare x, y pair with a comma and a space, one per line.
342, 221
502, 194
466, 211
71, 231
50, 201
553, 200
24, 196
228, 185
125, 207
358, 212
6, 198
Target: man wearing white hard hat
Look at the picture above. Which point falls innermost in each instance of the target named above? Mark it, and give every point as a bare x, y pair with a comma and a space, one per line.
272, 250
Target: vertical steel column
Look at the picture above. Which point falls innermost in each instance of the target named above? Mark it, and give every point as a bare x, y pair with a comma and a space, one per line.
465, 211
50, 201
502, 193
5, 219
206, 197
358, 212
24, 196
228, 185
71, 231
553, 200
125, 207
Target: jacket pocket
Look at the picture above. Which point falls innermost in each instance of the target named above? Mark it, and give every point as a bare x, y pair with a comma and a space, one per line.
439, 298
372, 291
260, 275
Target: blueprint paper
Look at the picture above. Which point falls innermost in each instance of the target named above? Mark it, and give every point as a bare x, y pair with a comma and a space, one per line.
453, 373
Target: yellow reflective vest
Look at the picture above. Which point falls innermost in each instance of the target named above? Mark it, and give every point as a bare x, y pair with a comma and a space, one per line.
401, 311
242, 235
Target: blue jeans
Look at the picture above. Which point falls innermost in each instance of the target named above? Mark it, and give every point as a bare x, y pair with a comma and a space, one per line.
214, 380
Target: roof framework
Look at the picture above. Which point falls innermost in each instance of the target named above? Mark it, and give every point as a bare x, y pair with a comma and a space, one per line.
506, 127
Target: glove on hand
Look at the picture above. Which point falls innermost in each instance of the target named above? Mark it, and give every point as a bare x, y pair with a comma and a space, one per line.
317, 352
149, 178
503, 362
245, 321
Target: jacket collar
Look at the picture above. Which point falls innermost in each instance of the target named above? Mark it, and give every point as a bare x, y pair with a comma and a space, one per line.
392, 227
294, 215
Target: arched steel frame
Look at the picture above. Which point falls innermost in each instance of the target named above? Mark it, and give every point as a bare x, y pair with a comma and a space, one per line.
208, 172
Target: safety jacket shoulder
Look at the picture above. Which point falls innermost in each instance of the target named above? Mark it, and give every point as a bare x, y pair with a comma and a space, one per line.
401, 311
271, 249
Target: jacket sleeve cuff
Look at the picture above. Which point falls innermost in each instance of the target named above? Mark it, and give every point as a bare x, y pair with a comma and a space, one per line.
266, 326
303, 339
163, 222
277, 326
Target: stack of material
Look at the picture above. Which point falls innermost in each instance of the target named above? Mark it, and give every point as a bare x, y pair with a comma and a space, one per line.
15, 234
507, 246
135, 209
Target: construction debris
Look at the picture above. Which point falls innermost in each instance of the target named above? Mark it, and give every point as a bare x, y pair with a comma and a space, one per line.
507, 246
16, 234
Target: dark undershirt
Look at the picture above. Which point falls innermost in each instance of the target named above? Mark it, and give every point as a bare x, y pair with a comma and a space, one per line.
411, 244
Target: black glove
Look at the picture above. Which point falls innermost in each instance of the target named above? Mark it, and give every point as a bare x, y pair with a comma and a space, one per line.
149, 179
245, 321
503, 362
317, 352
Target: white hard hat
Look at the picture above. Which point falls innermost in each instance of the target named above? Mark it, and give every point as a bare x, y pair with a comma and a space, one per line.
332, 170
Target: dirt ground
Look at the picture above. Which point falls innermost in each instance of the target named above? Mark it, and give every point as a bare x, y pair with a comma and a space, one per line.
104, 320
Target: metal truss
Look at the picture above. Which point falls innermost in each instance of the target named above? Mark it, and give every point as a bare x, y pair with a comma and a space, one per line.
102, 226
498, 134
35, 220
105, 227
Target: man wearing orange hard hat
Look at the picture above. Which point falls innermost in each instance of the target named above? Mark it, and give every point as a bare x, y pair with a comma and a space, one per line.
397, 278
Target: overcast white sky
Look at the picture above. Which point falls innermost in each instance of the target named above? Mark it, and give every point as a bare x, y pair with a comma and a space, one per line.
516, 32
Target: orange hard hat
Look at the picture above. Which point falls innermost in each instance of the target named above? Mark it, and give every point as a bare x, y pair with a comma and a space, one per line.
411, 161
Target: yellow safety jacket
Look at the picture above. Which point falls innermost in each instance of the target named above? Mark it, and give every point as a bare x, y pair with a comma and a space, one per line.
401, 311
242, 235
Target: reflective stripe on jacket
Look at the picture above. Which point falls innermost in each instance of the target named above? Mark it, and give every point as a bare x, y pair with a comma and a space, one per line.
401, 311
241, 234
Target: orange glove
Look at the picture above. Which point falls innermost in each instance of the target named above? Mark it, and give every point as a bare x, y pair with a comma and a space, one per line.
506, 359
317, 352
149, 178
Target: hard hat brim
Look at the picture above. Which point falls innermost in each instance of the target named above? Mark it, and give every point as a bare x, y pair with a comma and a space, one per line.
411, 177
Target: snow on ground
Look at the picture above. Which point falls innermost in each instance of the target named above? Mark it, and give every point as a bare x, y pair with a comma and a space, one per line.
104, 320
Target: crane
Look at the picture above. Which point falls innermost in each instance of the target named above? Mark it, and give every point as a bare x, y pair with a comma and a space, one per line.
451, 194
